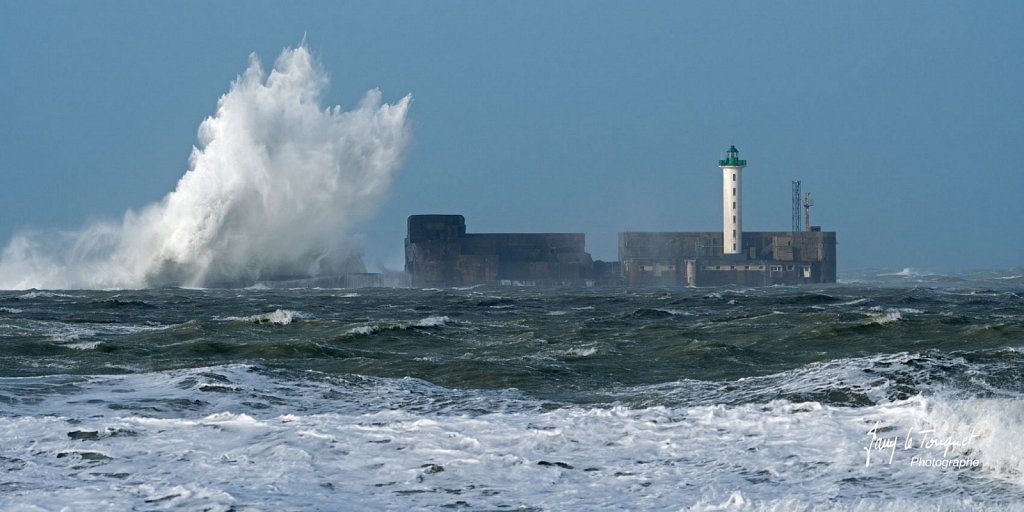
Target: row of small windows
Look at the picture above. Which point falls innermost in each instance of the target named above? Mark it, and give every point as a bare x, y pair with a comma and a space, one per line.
790, 268
651, 268
806, 269
735, 267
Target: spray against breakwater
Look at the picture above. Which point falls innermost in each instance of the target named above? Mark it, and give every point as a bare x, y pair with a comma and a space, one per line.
272, 188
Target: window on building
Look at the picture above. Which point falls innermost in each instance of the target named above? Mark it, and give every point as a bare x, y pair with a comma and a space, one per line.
734, 191
734, 177
776, 268
733, 219
734, 205
734, 233
734, 247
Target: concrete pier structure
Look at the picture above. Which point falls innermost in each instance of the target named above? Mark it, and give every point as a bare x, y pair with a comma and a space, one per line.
439, 252
697, 259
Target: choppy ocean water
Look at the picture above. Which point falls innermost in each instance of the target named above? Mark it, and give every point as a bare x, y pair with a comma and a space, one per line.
882, 392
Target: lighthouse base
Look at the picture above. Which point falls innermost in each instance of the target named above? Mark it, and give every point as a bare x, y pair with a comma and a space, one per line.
696, 259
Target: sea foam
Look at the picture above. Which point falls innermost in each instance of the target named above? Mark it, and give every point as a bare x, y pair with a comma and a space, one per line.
387, 443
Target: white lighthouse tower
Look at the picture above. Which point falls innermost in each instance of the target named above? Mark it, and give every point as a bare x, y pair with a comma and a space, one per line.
732, 204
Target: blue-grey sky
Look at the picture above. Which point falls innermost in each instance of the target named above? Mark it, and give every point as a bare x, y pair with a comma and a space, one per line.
903, 119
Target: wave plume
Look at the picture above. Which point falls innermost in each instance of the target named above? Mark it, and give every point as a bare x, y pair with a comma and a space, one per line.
274, 186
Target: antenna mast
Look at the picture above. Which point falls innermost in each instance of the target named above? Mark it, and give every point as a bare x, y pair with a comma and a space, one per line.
808, 203
796, 206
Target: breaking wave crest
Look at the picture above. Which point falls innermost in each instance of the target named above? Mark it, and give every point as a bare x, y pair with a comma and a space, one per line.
276, 317
272, 188
425, 323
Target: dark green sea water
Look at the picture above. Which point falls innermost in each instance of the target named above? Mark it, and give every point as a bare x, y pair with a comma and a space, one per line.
504, 398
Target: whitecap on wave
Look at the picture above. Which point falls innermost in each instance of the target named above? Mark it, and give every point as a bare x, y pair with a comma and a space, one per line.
423, 323
276, 317
44, 295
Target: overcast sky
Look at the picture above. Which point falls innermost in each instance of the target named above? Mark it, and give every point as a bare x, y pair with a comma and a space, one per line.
903, 119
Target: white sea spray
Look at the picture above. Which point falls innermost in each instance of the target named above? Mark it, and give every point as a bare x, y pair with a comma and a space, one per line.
273, 189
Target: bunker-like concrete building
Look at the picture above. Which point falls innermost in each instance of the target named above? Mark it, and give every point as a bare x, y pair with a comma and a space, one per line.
439, 252
698, 259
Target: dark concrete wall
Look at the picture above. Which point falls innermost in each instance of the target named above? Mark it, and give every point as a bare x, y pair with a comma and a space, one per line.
424, 228
670, 245
439, 252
